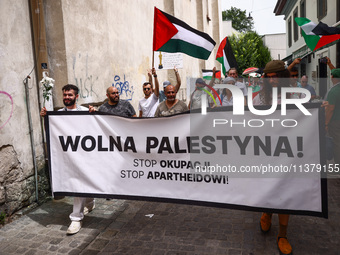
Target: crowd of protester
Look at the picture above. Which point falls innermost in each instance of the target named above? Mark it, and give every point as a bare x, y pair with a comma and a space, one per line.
160, 103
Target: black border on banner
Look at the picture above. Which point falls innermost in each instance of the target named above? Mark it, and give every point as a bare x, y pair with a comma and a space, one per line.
194, 202
323, 161
323, 176
47, 130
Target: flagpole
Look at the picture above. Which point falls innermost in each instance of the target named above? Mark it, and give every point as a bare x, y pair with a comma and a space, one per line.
153, 37
153, 56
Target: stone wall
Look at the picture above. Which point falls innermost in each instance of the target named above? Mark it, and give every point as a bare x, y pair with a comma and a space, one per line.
17, 172
92, 44
17, 190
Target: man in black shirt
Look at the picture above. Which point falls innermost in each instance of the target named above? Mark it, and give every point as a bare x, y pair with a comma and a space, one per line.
115, 105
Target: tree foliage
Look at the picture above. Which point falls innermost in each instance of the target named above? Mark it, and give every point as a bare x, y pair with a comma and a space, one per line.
249, 51
239, 19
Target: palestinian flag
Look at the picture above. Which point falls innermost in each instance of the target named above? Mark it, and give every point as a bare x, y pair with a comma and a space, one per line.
317, 36
173, 35
207, 74
226, 56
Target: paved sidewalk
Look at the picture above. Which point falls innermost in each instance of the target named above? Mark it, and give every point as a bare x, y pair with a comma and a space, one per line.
122, 227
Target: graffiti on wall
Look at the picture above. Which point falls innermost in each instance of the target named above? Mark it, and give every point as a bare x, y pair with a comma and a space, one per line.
124, 88
85, 82
10, 116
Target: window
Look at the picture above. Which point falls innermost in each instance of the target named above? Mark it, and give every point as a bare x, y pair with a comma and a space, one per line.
303, 69
322, 8
296, 28
302, 11
290, 32
338, 10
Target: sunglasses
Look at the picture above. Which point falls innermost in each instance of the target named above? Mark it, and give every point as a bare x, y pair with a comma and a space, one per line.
146, 88
295, 75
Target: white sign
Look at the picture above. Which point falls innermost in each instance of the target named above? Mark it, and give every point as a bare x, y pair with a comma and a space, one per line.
164, 60
249, 162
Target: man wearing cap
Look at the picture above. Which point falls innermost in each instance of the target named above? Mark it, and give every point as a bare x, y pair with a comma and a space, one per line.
275, 76
332, 111
162, 95
196, 96
148, 104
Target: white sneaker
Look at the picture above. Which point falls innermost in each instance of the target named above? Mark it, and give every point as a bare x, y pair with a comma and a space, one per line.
88, 209
74, 227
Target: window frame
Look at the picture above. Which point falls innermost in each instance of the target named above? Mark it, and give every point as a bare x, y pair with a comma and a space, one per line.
295, 25
302, 11
321, 12
290, 41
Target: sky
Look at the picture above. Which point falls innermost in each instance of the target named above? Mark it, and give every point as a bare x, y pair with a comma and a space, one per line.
265, 21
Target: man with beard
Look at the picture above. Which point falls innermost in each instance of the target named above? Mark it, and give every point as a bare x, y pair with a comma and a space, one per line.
114, 105
275, 76
81, 205
171, 105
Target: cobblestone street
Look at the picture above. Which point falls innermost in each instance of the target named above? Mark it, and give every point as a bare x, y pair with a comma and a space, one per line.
138, 227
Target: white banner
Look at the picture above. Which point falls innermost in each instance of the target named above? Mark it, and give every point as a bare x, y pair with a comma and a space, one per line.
219, 159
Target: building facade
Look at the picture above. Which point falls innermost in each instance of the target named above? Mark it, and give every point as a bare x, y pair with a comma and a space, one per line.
276, 44
312, 65
92, 44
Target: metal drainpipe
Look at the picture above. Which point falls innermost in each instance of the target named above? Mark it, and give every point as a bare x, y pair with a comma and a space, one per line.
31, 137
41, 60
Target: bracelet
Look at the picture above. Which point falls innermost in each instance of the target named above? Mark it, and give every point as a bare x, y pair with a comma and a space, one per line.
155, 76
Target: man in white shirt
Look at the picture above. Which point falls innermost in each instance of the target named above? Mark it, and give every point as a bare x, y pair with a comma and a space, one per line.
148, 104
81, 205
233, 73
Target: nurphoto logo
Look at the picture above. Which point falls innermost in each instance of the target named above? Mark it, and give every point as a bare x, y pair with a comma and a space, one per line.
238, 100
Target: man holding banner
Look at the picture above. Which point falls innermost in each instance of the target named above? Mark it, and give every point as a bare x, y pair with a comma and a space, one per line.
171, 105
114, 105
81, 205
275, 75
